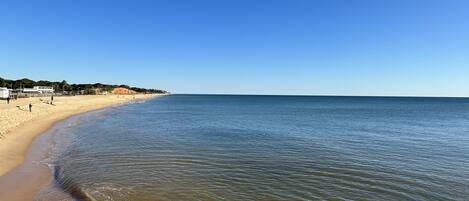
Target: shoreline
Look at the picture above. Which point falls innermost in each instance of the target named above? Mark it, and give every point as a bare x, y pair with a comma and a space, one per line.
17, 143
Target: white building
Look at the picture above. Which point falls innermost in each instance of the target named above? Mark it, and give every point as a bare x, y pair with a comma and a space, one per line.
39, 89
4, 92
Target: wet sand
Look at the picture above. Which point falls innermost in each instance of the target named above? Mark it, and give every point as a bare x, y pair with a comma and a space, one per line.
22, 182
20, 176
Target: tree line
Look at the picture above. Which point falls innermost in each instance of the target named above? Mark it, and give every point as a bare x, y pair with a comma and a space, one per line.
67, 88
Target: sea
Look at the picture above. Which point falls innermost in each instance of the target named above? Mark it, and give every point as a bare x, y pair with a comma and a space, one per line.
254, 147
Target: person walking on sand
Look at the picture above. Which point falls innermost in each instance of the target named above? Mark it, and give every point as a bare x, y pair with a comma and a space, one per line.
30, 107
52, 100
8, 100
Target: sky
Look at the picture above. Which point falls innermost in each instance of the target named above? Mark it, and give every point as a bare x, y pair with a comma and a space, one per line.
305, 47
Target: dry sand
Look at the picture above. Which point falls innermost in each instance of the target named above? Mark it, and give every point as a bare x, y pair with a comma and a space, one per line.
19, 127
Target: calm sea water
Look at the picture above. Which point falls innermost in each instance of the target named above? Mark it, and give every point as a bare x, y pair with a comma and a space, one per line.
204, 147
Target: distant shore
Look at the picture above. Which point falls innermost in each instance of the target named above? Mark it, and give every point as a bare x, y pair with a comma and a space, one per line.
19, 127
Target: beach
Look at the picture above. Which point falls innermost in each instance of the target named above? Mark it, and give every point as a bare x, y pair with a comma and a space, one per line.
19, 127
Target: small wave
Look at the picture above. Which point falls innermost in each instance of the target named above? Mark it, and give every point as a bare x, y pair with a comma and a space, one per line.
109, 191
70, 186
74, 124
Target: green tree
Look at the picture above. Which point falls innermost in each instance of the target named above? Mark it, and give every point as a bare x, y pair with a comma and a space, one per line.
3, 83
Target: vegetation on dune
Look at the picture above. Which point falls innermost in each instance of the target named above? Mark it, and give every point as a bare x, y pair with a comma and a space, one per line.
64, 87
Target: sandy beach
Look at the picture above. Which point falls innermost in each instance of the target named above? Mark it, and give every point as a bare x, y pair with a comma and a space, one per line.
19, 127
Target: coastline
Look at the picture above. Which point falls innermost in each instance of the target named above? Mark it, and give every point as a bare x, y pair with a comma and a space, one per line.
21, 128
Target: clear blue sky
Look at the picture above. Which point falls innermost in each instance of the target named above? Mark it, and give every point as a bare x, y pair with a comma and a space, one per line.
375, 47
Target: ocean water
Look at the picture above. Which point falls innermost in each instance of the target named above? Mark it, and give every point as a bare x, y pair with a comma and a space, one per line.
208, 147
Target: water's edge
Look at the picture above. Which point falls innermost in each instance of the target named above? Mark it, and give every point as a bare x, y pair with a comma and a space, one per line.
60, 180
26, 180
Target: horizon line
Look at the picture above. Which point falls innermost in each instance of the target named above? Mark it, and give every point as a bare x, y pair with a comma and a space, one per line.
321, 95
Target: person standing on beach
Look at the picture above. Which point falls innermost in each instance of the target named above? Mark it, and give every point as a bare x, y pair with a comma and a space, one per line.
8, 100
30, 107
52, 99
